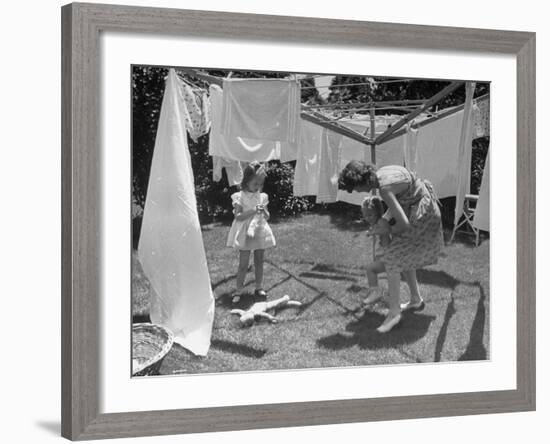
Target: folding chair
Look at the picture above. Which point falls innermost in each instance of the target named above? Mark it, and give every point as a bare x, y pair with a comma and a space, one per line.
467, 218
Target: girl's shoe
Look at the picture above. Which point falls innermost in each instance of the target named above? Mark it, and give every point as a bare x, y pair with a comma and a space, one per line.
419, 306
374, 294
260, 294
389, 324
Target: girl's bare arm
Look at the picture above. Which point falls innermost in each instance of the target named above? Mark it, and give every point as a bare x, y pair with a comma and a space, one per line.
242, 215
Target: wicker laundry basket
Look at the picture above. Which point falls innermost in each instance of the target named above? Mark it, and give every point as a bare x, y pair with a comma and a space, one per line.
150, 344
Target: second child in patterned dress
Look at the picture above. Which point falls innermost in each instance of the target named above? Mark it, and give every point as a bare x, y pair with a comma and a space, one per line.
250, 230
372, 209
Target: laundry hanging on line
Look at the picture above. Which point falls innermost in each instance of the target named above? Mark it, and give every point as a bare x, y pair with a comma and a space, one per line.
482, 120
242, 149
171, 250
233, 170
261, 109
389, 153
464, 163
482, 212
410, 144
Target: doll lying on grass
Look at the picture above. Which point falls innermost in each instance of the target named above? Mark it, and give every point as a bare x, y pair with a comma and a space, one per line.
379, 226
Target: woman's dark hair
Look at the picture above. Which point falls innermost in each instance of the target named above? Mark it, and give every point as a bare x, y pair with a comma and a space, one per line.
357, 173
250, 171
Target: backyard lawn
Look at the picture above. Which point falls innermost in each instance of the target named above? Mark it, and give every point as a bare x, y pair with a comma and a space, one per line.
320, 261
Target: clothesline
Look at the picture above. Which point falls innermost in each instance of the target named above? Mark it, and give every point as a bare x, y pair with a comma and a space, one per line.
375, 82
339, 85
366, 104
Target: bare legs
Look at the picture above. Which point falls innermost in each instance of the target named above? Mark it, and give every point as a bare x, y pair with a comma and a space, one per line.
259, 268
394, 284
394, 314
412, 282
373, 270
374, 292
244, 260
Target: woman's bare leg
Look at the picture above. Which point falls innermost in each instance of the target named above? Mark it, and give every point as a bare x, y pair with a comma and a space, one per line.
412, 282
394, 285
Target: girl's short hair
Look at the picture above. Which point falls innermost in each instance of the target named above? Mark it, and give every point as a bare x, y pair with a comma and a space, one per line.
357, 173
374, 204
250, 171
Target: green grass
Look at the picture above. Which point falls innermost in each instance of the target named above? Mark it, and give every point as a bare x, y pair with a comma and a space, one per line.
320, 260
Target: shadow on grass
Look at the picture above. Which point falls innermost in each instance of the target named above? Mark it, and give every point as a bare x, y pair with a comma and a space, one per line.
438, 278
449, 312
476, 351
328, 268
332, 277
413, 327
141, 318
247, 300
241, 349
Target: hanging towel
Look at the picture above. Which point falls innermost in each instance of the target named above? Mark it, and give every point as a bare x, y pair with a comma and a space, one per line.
410, 141
171, 249
329, 166
481, 126
195, 109
464, 165
233, 170
261, 109
437, 155
239, 148
389, 153
306, 172
482, 212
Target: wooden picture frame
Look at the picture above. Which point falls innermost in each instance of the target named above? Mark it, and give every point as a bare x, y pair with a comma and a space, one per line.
81, 173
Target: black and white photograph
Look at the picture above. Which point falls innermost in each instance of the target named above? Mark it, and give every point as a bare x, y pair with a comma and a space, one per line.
287, 220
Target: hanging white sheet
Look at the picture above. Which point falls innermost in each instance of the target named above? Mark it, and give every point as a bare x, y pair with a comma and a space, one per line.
410, 143
329, 168
261, 109
464, 164
306, 173
437, 153
482, 212
389, 153
171, 249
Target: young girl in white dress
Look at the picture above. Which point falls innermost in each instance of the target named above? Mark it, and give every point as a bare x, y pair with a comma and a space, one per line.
250, 230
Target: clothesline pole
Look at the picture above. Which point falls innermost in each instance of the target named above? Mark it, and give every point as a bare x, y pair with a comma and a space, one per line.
431, 102
446, 112
321, 120
373, 161
372, 135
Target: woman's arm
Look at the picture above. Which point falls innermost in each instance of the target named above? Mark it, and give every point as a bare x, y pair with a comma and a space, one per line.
402, 223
